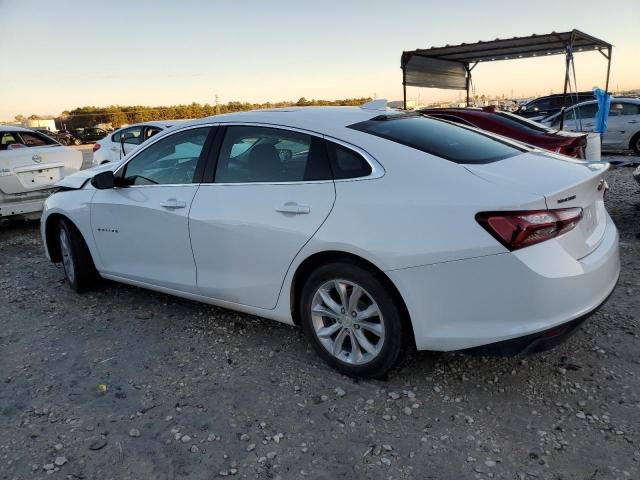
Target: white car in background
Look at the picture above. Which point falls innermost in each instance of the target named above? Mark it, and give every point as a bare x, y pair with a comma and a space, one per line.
30, 165
375, 230
623, 131
124, 140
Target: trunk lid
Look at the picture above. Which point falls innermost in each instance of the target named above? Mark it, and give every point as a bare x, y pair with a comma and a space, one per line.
36, 168
564, 183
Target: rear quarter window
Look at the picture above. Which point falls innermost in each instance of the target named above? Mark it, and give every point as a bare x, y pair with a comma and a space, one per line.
443, 139
345, 163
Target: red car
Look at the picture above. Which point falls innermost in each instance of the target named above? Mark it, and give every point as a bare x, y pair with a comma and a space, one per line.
515, 127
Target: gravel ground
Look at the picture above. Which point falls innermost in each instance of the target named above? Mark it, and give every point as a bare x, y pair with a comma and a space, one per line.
124, 383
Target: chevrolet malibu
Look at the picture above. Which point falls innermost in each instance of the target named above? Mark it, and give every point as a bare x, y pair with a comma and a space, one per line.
375, 231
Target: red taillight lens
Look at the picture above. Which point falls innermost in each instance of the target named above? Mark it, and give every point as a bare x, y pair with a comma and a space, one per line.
96, 147
570, 151
520, 229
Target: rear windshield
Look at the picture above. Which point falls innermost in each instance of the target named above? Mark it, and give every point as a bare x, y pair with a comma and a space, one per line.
443, 139
525, 122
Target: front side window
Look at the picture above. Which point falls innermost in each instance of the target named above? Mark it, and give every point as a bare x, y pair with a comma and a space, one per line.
451, 142
582, 112
261, 154
131, 135
171, 160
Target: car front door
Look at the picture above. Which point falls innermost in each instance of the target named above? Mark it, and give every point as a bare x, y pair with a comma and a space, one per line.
271, 191
141, 227
581, 118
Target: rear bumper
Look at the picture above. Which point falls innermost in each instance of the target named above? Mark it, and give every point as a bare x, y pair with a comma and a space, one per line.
534, 343
12, 205
486, 300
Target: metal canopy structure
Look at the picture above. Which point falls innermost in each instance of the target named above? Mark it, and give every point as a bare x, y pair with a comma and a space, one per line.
450, 66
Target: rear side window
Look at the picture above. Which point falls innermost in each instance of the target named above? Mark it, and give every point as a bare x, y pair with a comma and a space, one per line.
345, 163
261, 154
452, 142
35, 139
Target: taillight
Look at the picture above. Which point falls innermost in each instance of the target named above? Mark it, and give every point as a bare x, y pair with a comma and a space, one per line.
570, 151
521, 229
96, 147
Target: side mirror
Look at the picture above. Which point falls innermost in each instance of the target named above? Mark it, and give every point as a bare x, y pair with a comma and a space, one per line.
104, 180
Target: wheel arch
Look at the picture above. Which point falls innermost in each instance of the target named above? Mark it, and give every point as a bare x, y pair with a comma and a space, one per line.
51, 238
309, 264
634, 139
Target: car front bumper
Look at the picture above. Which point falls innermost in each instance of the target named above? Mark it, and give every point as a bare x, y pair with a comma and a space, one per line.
485, 300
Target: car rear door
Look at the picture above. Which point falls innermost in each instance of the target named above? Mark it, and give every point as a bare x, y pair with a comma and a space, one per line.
623, 122
141, 226
270, 192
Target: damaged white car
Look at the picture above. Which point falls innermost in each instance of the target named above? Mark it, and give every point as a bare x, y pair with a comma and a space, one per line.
30, 164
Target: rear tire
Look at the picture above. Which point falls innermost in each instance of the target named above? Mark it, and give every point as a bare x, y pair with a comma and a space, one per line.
79, 269
352, 321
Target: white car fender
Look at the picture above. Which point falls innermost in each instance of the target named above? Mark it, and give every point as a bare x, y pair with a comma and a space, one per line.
74, 205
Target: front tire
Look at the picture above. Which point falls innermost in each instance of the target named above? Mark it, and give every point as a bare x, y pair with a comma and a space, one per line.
352, 321
79, 269
635, 143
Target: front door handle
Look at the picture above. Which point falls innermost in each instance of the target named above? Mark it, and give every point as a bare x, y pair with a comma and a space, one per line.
173, 203
293, 207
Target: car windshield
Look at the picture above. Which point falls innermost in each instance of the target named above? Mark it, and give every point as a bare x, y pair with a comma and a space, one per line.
443, 139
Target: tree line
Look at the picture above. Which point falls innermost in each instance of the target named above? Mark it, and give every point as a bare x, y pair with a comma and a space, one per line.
118, 115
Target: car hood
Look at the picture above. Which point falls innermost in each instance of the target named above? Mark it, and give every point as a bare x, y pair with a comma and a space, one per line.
79, 179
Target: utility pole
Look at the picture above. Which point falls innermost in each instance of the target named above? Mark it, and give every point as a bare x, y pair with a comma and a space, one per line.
217, 107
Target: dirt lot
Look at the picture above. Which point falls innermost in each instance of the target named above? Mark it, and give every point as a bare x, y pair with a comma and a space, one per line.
125, 383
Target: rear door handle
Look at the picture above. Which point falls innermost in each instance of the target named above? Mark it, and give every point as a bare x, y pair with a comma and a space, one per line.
293, 207
173, 203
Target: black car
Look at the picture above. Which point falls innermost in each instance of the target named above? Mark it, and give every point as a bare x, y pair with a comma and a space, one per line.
89, 135
552, 104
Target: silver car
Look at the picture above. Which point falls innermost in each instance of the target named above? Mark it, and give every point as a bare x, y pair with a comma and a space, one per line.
623, 132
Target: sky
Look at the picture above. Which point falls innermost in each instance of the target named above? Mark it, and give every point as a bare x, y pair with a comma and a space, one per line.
63, 54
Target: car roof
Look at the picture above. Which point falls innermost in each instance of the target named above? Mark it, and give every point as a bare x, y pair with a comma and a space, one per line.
613, 99
13, 128
330, 121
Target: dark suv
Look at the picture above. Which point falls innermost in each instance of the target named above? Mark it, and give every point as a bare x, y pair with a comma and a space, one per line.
551, 104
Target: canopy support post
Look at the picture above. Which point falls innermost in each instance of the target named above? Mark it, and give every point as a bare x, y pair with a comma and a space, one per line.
566, 84
606, 88
404, 87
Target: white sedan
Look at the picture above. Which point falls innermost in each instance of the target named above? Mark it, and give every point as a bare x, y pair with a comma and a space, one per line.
124, 140
623, 132
30, 164
374, 230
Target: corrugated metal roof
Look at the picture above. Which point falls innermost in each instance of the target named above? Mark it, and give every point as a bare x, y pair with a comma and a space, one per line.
512, 48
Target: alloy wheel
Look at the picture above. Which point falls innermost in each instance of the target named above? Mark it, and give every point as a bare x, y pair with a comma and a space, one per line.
347, 321
67, 259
